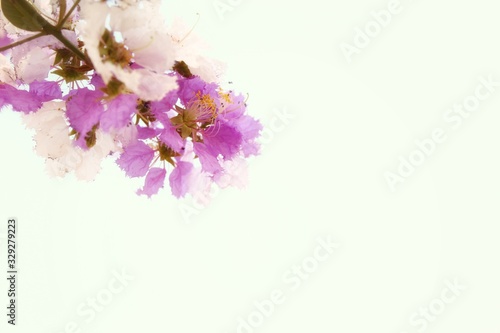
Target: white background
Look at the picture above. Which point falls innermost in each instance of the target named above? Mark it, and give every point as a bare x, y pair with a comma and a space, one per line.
319, 175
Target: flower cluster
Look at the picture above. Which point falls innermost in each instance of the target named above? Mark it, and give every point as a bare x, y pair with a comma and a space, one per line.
99, 79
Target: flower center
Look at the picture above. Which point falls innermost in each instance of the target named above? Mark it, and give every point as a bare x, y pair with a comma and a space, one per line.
199, 114
114, 51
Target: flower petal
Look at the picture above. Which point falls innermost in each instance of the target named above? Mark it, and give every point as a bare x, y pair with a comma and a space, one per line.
84, 109
46, 90
119, 111
20, 100
179, 178
222, 139
135, 159
154, 181
209, 163
171, 138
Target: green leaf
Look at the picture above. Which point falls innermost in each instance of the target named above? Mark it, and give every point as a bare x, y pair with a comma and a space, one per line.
23, 15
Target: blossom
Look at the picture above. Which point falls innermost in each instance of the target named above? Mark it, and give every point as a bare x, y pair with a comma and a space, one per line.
154, 181
201, 131
84, 110
186, 45
135, 159
20, 100
116, 37
178, 178
111, 79
119, 111
54, 144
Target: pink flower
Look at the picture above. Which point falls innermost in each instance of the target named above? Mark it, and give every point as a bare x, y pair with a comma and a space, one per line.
179, 179
154, 181
118, 113
136, 159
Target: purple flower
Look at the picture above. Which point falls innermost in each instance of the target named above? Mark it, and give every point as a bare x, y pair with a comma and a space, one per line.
84, 110
119, 111
136, 159
4, 39
144, 133
250, 130
21, 100
119, 89
179, 178
46, 90
209, 162
188, 88
171, 138
222, 139
97, 82
154, 181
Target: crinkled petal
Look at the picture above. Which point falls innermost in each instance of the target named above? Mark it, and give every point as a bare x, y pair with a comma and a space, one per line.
126, 135
135, 159
250, 148
119, 111
92, 158
222, 139
250, 129
20, 100
144, 133
35, 64
209, 163
171, 138
84, 110
179, 178
165, 104
150, 86
190, 87
235, 173
248, 126
154, 181
8, 73
46, 90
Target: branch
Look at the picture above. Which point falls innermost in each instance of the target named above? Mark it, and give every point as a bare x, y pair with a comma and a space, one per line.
68, 14
20, 42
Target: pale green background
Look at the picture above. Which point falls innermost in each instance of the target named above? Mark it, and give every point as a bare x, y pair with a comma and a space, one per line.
321, 175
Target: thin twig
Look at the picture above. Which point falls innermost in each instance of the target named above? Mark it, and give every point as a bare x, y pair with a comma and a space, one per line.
68, 14
20, 42
70, 46
62, 10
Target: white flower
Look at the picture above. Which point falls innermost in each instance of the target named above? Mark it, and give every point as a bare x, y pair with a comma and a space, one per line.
54, 144
235, 173
7, 72
187, 46
136, 32
34, 64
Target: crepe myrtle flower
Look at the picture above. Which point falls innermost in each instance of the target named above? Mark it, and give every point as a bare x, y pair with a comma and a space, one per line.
129, 44
196, 130
100, 79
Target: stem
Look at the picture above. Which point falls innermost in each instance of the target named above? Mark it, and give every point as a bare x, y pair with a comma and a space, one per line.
29, 11
20, 42
66, 17
58, 34
56, 31
62, 11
